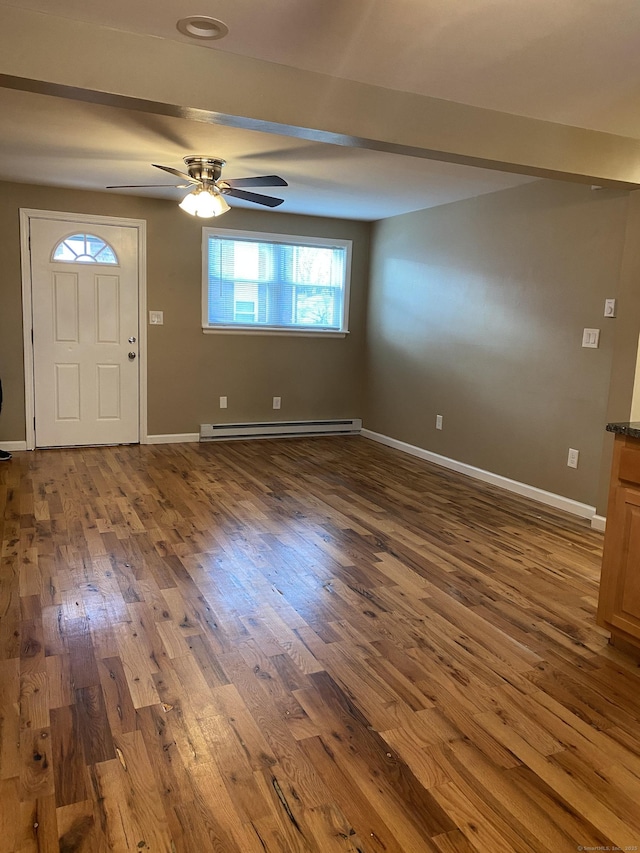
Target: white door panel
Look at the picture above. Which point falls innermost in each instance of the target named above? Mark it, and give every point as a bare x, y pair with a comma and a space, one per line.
86, 385
67, 392
107, 309
65, 308
108, 384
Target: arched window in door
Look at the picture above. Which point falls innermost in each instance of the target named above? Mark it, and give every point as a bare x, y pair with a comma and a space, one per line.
84, 249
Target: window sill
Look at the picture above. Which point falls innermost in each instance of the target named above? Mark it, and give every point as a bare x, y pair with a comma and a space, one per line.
249, 330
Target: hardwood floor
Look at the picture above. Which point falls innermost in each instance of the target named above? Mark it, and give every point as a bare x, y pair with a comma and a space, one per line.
306, 645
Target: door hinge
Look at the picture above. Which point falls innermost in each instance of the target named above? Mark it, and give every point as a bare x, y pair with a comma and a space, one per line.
34, 422
31, 335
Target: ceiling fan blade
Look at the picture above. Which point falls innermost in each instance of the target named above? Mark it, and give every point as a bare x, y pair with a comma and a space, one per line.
256, 198
135, 186
261, 181
178, 174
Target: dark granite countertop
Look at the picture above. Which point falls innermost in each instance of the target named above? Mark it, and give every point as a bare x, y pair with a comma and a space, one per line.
632, 429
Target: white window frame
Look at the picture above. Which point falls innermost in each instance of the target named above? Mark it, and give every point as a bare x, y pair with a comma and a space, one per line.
267, 237
92, 258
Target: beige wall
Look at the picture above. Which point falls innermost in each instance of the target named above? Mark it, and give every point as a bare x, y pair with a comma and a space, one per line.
476, 312
187, 370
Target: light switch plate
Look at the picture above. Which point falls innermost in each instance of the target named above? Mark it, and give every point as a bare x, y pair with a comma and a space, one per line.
609, 307
156, 318
591, 338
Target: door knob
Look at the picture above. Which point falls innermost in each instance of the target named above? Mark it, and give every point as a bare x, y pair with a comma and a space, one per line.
132, 355
132, 340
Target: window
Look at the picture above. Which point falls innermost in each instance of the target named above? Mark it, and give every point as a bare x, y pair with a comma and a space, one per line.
270, 282
84, 249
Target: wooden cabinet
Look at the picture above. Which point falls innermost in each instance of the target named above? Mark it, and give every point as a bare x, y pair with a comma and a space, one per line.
619, 601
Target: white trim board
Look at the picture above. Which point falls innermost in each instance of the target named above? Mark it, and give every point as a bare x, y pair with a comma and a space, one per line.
540, 495
175, 438
599, 522
13, 446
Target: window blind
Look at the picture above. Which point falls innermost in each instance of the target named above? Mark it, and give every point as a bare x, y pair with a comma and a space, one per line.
275, 284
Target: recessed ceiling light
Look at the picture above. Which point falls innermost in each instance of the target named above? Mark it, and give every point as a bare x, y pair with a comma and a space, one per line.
202, 27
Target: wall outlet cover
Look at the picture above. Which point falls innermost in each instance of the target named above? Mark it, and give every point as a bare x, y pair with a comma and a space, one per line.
156, 318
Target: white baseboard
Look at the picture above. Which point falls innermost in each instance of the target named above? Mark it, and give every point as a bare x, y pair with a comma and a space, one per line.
599, 522
540, 495
12, 446
176, 438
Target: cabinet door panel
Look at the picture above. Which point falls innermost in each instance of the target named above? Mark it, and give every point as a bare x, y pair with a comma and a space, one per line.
625, 613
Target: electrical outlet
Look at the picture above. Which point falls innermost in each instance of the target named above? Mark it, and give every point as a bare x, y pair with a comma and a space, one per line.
438, 421
223, 402
572, 459
277, 402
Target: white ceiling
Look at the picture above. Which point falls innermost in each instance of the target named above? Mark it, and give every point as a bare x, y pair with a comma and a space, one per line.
574, 62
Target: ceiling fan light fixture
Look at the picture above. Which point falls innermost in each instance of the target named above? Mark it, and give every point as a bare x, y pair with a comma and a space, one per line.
202, 27
204, 203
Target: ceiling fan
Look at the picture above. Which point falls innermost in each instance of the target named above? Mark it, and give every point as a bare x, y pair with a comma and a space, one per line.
206, 198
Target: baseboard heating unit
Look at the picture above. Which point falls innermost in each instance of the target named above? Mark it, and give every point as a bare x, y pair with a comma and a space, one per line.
279, 429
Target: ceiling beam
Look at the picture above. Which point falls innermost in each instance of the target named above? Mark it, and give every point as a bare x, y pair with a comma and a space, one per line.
71, 59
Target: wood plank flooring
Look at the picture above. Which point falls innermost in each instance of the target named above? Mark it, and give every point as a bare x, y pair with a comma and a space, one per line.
310, 645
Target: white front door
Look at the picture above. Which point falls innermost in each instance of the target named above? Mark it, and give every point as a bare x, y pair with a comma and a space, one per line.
84, 280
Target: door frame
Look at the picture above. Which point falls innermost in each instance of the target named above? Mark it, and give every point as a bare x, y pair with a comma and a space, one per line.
140, 225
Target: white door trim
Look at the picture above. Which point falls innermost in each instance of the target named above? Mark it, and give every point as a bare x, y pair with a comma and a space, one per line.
26, 215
